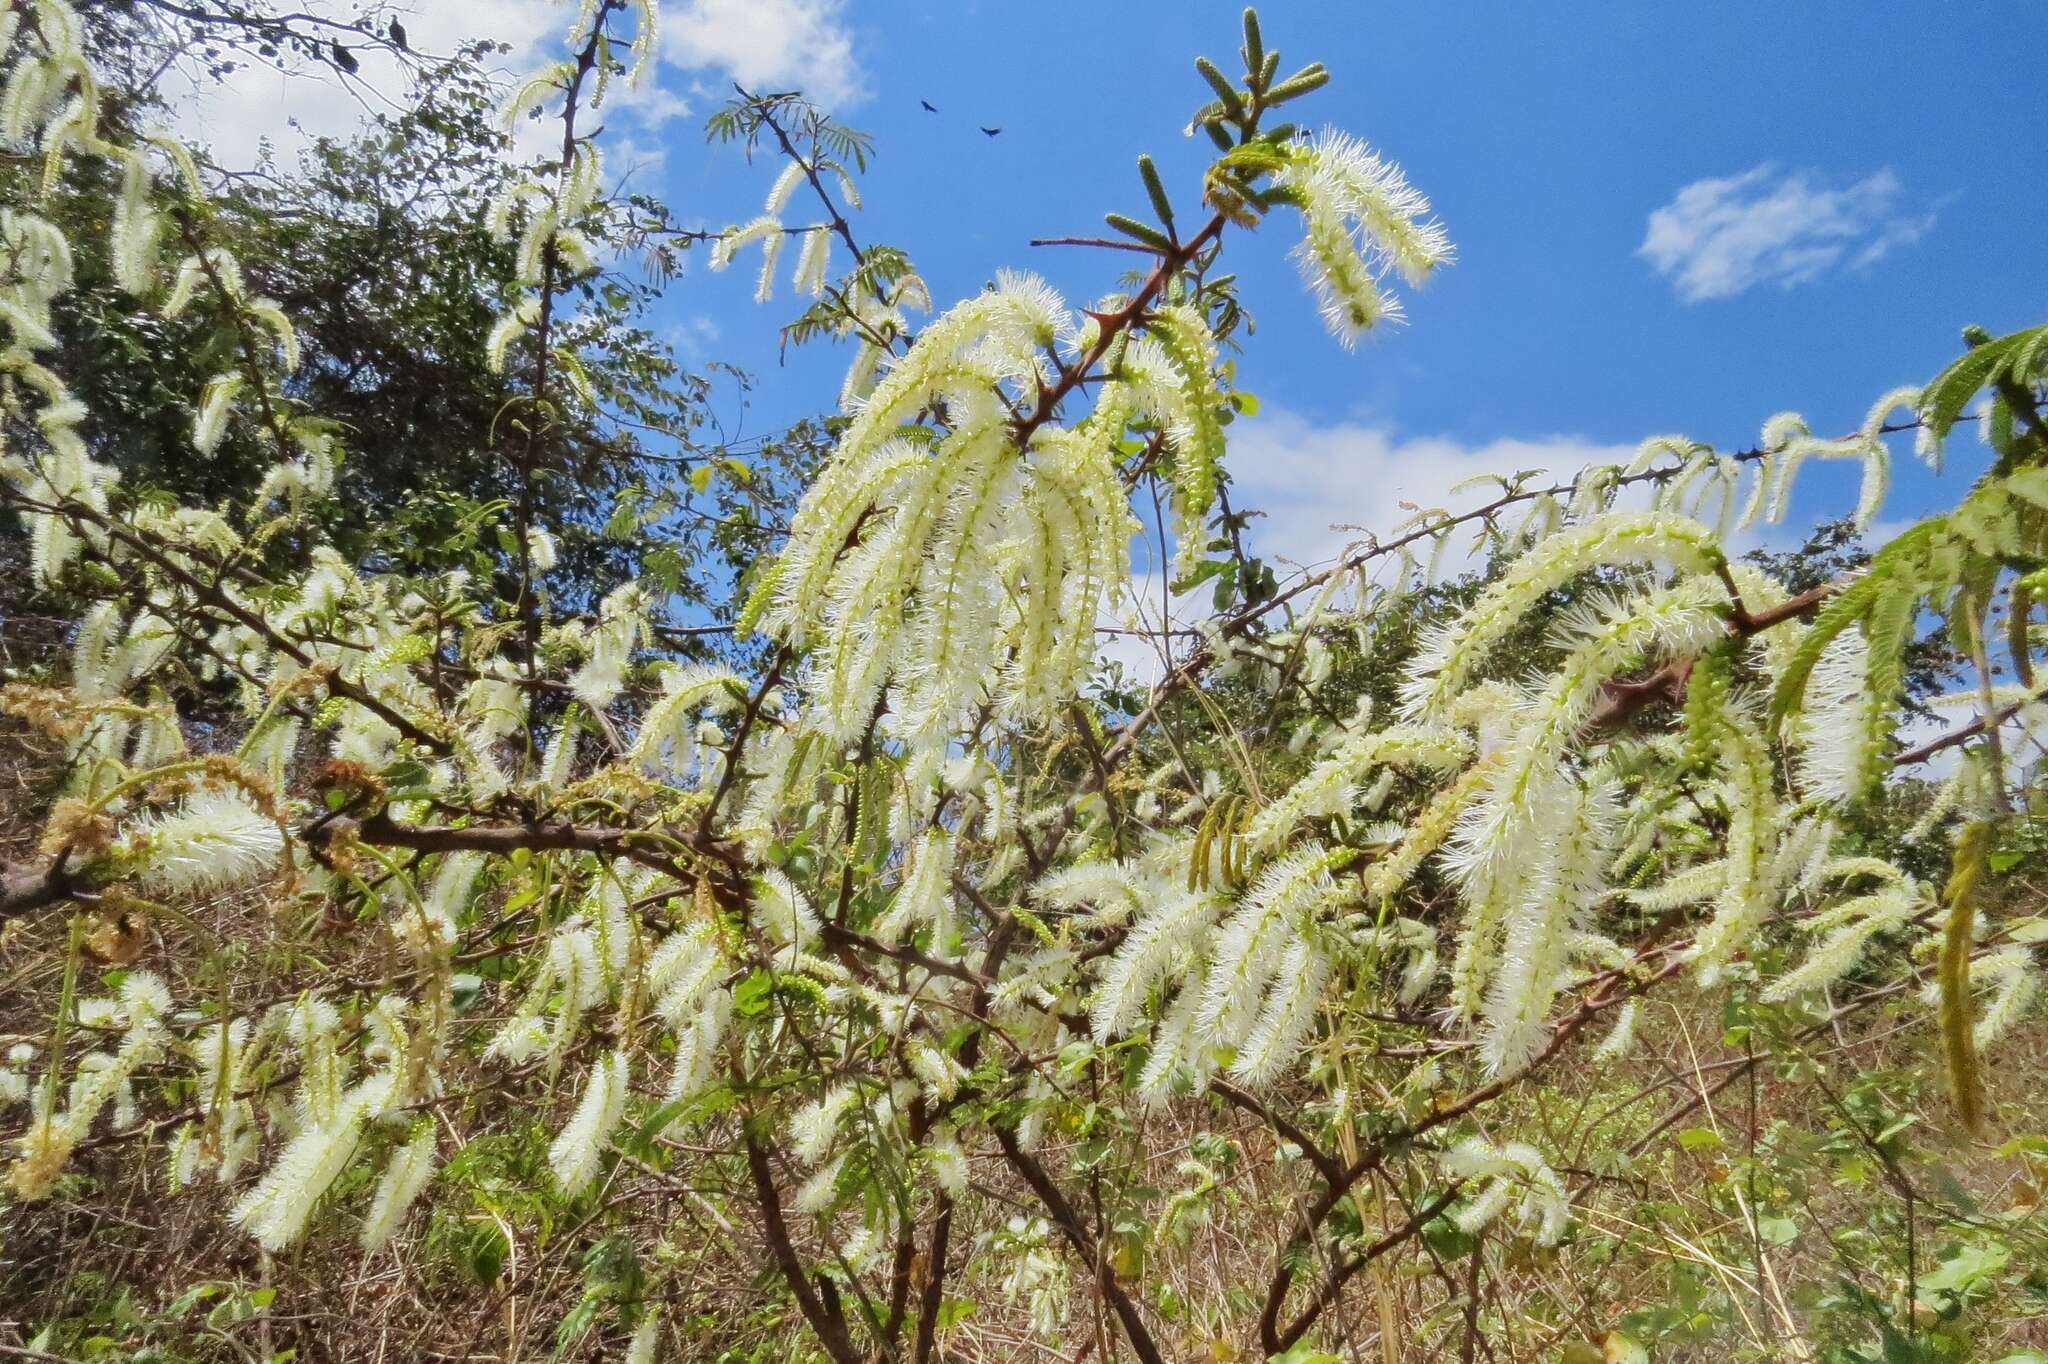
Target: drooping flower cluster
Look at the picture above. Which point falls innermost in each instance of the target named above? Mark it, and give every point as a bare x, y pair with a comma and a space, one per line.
890, 834
949, 567
1361, 220
1512, 1175
61, 1117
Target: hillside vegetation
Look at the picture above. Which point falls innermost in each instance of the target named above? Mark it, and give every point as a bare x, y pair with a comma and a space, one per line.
494, 871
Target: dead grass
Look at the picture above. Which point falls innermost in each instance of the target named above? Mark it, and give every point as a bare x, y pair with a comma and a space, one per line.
1788, 1143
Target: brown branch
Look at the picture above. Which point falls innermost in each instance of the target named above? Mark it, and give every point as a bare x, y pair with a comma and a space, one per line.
528, 606
1106, 243
1343, 1272
25, 890
1965, 733
731, 775
1071, 377
1468, 1343
723, 865
843, 229
933, 1296
1621, 700
1326, 1164
837, 935
1792, 608
1609, 989
1068, 1221
827, 1322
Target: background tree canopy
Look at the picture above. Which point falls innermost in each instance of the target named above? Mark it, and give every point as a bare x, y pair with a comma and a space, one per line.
495, 869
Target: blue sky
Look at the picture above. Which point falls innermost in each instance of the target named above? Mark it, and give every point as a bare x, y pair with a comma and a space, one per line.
1894, 194
1838, 189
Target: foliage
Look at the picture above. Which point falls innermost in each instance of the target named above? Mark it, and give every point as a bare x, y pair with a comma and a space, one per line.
376, 248
897, 960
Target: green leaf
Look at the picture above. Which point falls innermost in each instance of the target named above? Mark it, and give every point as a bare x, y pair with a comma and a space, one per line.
1902, 1349
1202, 572
239, 1306
1310, 77
483, 1254
1131, 227
1967, 1268
404, 775
1700, 1139
576, 1325
1443, 1236
1302, 1352
624, 520
193, 1296
751, 996
1149, 173
1226, 93
2031, 484
1617, 1348
1950, 392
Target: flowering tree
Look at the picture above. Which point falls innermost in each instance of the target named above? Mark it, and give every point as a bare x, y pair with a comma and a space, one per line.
825, 948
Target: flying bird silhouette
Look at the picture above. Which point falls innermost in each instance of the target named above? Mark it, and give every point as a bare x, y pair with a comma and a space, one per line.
990, 131
929, 107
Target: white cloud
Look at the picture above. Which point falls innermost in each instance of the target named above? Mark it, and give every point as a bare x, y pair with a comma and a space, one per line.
768, 44
1323, 489
288, 108
1718, 237
694, 336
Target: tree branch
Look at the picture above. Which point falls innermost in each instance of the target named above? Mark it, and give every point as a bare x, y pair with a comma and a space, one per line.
1064, 1217
828, 1323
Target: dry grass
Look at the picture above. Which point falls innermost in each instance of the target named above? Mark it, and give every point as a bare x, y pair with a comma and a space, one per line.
1766, 1186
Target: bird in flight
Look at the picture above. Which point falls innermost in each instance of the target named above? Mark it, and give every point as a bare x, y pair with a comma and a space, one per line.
990, 131
929, 107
